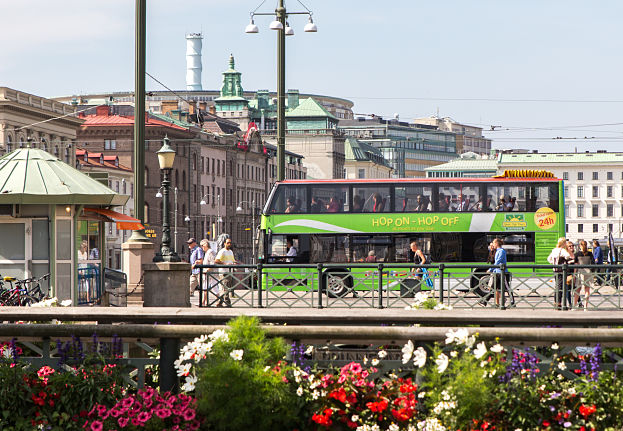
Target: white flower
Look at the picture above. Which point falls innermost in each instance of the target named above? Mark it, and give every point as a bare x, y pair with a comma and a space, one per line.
571, 391
354, 418
492, 373
189, 385
419, 357
309, 350
421, 394
299, 391
460, 336
497, 348
442, 363
184, 369
316, 394
219, 334
365, 360
454, 354
236, 355
7, 353
407, 352
374, 362
562, 366
66, 303
555, 346
480, 350
382, 354
393, 427
445, 395
482, 364
266, 368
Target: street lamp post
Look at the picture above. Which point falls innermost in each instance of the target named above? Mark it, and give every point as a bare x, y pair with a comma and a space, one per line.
239, 210
283, 29
166, 156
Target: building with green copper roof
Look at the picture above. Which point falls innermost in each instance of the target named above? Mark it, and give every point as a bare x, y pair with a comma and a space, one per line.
469, 165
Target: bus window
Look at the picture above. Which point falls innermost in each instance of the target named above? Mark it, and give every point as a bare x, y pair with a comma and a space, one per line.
542, 195
519, 247
328, 248
402, 246
370, 249
328, 199
413, 198
289, 199
459, 197
502, 197
371, 199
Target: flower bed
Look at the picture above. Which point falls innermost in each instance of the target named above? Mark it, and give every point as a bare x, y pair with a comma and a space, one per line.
239, 379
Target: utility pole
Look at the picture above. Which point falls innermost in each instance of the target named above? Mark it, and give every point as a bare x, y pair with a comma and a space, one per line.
281, 93
139, 120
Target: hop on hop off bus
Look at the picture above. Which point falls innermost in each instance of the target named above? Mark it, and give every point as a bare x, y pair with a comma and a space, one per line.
374, 221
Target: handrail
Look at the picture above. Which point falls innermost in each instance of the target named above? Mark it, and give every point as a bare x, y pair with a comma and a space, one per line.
367, 334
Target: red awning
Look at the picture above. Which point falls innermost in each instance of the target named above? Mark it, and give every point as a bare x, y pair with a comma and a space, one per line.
124, 222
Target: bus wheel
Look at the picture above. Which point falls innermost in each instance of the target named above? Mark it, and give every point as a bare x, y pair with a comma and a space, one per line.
337, 283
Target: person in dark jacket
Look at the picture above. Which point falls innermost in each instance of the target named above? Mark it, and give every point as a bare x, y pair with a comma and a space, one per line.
598, 259
583, 275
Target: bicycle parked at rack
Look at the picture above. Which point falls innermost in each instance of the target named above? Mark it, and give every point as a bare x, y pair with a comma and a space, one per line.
21, 292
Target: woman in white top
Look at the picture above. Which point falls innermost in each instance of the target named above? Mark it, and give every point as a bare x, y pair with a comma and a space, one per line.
209, 280
559, 256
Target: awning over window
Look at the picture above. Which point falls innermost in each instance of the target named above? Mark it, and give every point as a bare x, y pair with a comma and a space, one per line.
124, 222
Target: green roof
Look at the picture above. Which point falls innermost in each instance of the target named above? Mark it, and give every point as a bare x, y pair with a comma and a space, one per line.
309, 108
172, 120
33, 176
462, 164
360, 151
557, 158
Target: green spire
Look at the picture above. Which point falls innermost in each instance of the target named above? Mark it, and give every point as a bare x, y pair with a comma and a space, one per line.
232, 81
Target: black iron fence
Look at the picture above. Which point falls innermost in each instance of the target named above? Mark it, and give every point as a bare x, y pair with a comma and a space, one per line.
527, 286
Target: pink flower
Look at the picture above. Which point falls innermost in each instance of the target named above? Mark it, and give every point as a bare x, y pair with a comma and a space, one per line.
127, 402
143, 417
97, 426
136, 422
163, 413
194, 425
189, 415
122, 422
341, 379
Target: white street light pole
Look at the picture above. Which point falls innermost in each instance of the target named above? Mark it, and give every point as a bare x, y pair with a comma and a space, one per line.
175, 225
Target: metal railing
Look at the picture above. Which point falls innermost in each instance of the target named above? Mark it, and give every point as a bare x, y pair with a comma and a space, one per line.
89, 284
380, 285
115, 288
335, 345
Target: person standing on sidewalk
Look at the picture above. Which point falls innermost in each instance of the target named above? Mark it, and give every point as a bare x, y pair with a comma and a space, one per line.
584, 278
501, 279
225, 256
196, 258
209, 282
559, 256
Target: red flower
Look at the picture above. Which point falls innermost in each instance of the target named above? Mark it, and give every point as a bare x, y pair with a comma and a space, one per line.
323, 419
586, 411
339, 394
403, 414
377, 406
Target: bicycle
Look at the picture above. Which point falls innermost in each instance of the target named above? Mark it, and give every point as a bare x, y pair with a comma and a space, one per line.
20, 294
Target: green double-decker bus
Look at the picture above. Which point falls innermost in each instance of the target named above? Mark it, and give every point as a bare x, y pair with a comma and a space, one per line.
374, 221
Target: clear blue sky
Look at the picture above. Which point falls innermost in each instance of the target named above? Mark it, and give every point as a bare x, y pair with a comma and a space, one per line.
546, 65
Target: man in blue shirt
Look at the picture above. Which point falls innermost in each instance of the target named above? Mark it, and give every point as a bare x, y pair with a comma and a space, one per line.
598, 259
196, 258
500, 259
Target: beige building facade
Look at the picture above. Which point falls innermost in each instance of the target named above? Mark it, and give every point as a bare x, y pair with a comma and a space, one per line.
26, 119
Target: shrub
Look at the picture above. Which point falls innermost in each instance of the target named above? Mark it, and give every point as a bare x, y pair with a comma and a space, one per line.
239, 379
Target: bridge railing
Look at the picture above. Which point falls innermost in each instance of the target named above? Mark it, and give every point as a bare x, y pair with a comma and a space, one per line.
395, 285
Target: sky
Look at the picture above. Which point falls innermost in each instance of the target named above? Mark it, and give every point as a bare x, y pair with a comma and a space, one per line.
536, 70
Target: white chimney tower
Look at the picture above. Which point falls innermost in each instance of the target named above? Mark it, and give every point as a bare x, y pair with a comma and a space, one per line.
193, 61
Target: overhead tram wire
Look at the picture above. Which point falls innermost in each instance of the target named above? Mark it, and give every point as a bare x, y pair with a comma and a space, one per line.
485, 99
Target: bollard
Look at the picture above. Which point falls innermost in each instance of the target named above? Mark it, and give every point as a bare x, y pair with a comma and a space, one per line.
320, 285
441, 267
259, 285
169, 352
381, 286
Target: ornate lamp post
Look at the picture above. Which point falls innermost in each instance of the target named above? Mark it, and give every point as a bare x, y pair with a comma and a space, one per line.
283, 29
166, 157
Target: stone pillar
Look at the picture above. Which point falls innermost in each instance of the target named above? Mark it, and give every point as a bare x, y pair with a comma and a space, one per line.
166, 284
135, 254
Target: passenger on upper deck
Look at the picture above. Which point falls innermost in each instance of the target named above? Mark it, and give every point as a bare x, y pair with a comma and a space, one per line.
510, 205
421, 203
291, 206
317, 206
334, 205
501, 206
444, 202
379, 203
462, 203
